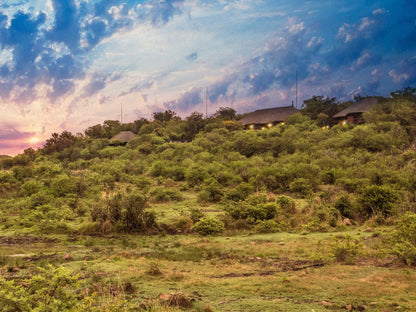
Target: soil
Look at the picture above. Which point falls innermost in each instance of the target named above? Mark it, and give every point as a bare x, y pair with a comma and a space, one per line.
278, 265
25, 239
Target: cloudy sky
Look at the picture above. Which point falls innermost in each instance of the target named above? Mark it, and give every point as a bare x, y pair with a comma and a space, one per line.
70, 64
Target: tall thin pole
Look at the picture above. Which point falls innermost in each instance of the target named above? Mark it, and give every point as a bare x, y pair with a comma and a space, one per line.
296, 89
206, 103
121, 112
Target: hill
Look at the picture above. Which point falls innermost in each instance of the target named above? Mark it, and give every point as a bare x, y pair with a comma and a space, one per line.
181, 180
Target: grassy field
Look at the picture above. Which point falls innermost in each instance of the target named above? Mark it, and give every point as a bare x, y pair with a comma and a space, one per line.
248, 272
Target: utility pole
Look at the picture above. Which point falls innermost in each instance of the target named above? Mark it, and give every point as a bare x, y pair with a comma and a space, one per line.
206, 103
121, 112
296, 89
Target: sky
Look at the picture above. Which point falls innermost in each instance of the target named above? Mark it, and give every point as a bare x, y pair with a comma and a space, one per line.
71, 64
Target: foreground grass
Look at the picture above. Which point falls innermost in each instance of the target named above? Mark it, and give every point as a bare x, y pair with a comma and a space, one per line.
270, 272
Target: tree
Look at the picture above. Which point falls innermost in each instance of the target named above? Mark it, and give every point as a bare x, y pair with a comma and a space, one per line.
407, 93
377, 200
225, 113
96, 132
194, 123
317, 105
139, 123
165, 116
112, 127
58, 142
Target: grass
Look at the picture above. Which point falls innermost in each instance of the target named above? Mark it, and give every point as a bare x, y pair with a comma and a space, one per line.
266, 272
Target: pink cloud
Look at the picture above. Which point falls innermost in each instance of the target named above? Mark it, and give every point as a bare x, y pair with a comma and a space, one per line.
13, 142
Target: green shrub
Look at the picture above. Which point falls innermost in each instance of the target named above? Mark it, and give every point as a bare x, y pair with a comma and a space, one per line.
328, 176
252, 213
154, 267
209, 226
162, 195
266, 226
30, 187
286, 203
40, 198
240, 192
211, 191
133, 216
346, 250
196, 175
404, 239
196, 214
377, 201
62, 185
345, 206
301, 185
182, 224
405, 252
127, 213
353, 184
54, 289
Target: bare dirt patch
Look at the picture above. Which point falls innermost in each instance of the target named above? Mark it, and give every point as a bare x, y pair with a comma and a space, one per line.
277, 266
25, 239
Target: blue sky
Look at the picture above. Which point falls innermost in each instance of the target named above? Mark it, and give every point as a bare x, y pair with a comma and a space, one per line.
70, 64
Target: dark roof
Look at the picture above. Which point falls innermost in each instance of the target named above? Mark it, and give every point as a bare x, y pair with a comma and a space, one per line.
362, 106
123, 136
263, 116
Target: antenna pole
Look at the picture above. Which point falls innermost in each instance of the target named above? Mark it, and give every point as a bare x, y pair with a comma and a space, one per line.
296, 89
206, 103
121, 112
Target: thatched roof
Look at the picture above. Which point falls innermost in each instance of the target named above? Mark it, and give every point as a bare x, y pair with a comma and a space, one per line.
269, 115
123, 136
361, 106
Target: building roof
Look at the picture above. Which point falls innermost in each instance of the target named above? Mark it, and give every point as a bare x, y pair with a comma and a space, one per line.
263, 116
123, 136
362, 106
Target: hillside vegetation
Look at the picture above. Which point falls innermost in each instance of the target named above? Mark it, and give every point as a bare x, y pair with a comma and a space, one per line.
203, 192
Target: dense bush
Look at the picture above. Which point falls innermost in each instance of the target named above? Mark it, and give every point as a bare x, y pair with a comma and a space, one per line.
162, 195
211, 191
356, 172
286, 204
404, 239
345, 206
255, 208
53, 289
267, 226
377, 201
125, 212
209, 226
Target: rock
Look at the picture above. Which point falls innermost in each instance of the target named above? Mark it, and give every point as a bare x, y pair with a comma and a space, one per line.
369, 230
325, 303
350, 307
361, 307
68, 257
164, 297
346, 221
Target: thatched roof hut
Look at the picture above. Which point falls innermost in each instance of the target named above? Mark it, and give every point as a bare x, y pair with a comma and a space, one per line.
269, 116
122, 138
353, 113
